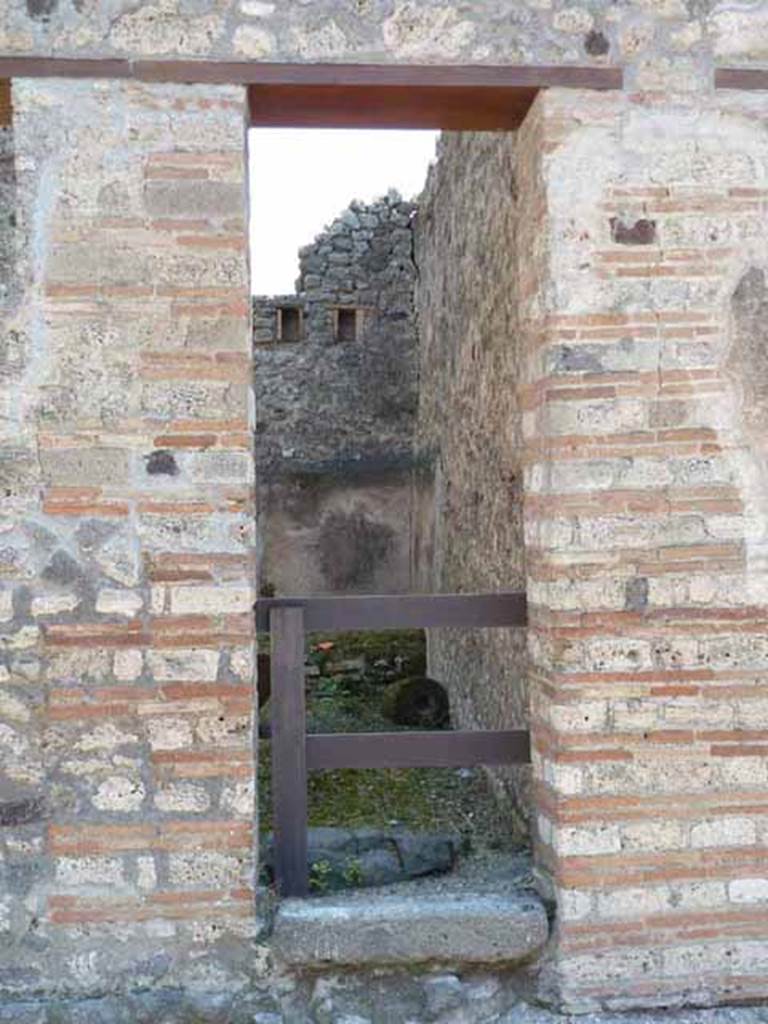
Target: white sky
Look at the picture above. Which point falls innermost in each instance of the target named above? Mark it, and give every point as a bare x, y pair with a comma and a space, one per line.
301, 179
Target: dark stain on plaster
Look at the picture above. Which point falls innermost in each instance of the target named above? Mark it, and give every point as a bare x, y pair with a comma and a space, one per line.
596, 44
21, 812
748, 356
580, 358
41, 10
642, 232
352, 547
162, 463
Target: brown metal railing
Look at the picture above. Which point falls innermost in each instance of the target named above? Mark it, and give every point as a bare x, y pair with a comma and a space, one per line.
294, 753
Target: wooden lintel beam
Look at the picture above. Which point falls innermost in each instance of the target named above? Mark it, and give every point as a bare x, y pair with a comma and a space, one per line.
741, 78
536, 76
452, 97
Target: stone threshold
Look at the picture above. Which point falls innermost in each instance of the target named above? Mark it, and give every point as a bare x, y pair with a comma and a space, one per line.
410, 927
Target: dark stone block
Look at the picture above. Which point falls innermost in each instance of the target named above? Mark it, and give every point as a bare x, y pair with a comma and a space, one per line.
162, 463
642, 232
596, 44
19, 979
427, 854
341, 858
419, 702
575, 360
22, 812
62, 568
636, 594
747, 360
41, 10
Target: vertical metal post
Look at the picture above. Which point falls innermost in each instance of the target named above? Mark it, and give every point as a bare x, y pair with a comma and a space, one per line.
289, 761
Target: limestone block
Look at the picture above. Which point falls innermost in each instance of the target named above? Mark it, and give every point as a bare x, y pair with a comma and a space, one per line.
78, 467
210, 600
251, 41
574, 20
169, 733
238, 798
118, 602
580, 842
54, 604
77, 871
210, 869
183, 797
183, 664
12, 708
748, 890
128, 664
146, 873
105, 736
651, 836
733, 831
193, 199
632, 903
739, 31
119, 793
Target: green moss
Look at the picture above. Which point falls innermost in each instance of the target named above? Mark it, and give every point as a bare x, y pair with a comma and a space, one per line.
421, 799
407, 644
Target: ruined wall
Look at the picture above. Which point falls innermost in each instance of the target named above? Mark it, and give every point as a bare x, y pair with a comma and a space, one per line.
646, 513
469, 418
126, 564
335, 418
662, 42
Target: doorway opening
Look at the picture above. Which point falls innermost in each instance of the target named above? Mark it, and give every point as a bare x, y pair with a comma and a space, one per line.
368, 483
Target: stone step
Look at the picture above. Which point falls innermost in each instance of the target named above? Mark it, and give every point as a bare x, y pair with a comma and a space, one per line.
409, 928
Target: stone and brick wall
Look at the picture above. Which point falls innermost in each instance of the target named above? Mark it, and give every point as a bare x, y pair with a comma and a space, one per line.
470, 525
643, 294
663, 43
126, 562
335, 417
127, 523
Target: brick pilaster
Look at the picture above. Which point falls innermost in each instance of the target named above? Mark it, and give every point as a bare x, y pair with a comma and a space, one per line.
137, 585
645, 533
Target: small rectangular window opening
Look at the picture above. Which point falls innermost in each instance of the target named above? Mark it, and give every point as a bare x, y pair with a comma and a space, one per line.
289, 323
347, 324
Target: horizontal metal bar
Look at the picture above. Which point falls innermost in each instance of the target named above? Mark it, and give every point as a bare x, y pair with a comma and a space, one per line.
417, 749
401, 611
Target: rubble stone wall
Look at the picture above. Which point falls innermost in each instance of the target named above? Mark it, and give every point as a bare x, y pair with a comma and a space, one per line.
320, 402
471, 526
335, 418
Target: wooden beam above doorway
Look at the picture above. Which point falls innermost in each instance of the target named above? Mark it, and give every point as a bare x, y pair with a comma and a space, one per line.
382, 96
455, 97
